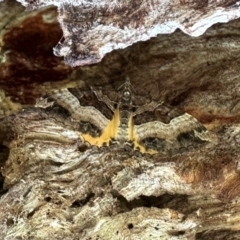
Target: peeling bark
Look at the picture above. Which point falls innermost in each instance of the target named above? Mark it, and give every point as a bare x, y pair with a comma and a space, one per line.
58, 184
91, 29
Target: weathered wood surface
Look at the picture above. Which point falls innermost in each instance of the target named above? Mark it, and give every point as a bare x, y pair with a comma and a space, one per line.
55, 185
91, 29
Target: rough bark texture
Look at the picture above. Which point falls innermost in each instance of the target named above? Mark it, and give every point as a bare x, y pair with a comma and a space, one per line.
91, 29
86, 154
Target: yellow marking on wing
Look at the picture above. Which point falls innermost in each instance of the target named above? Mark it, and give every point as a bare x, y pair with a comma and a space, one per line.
108, 133
131, 129
111, 131
137, 145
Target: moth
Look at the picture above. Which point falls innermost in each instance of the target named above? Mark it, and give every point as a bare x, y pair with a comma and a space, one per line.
152, 137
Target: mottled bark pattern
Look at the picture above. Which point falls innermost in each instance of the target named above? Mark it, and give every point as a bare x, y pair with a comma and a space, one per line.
184, 105
91, 29
75, 186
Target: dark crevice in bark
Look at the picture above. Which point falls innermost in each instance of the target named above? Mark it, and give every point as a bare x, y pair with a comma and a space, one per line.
79, 203
162, 201
4, 154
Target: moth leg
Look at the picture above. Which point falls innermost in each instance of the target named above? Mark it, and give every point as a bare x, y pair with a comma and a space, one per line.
103, 98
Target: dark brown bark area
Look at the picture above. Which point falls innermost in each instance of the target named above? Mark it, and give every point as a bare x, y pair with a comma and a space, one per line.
56, 186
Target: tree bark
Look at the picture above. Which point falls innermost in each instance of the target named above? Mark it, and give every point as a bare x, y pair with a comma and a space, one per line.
142, 145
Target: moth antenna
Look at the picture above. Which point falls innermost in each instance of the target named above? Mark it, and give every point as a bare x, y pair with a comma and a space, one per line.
126, 85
